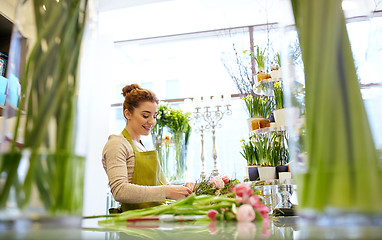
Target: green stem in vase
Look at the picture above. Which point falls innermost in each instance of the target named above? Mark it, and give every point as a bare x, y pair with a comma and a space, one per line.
343, 168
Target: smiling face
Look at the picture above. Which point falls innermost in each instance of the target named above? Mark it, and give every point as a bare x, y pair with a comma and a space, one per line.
142, 120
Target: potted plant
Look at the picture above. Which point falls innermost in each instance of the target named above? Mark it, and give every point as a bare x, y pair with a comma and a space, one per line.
263, 146
276, 68
260, 58
250, 154
279, 112
272, 154
259, 109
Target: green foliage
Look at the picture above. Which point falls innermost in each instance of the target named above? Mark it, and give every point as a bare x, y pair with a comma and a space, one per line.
249, 153
49, 92
260, 57
258, 106
279, 95
271, 148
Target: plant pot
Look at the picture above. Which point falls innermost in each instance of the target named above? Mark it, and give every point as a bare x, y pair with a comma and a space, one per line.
280, 116
282, 168
253, 173
276, 75
267, 173
257, 123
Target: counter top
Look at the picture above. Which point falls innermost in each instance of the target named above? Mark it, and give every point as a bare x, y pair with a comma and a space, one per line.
278, 228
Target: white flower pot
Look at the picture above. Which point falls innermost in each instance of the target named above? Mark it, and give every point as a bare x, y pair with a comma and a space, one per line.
276, 75
267, 173
280, 116
286, 116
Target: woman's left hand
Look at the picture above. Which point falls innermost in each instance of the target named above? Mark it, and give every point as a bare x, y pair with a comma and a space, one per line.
190, 185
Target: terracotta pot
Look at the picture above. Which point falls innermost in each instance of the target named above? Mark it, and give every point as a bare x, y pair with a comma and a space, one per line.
257, 122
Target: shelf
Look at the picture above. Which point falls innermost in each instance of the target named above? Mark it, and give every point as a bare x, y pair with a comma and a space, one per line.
268, 129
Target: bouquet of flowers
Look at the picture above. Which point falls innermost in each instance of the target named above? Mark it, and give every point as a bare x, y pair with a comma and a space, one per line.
239, 205
215, 186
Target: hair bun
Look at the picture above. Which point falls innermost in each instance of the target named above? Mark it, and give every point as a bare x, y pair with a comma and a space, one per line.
129, 88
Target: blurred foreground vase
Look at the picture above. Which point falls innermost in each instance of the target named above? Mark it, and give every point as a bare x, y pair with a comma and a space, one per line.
334, 157
41, 175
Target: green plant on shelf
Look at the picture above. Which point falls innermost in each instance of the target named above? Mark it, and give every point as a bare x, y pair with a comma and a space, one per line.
278, 95
258, 106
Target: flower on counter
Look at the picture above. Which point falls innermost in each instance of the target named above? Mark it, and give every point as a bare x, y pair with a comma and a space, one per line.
225, 179
212, 214
217, 182
245, 213
215, 186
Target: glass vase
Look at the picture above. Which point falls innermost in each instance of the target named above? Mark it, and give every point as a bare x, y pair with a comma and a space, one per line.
41, 174
334, 160
180, 157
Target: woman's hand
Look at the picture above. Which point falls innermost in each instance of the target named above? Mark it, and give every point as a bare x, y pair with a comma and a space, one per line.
177, 191
190, 185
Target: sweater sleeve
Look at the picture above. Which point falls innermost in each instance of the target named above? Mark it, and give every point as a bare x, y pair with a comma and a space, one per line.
118, 162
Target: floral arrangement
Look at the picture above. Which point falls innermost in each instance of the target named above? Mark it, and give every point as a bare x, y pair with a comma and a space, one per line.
241, 204
215, 186
258, 106
279, 95
178, 124
163, 119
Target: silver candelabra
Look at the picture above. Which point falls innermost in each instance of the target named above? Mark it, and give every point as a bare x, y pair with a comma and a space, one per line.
207, 117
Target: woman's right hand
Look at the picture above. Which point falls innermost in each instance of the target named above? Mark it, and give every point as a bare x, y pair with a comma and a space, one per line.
177, 191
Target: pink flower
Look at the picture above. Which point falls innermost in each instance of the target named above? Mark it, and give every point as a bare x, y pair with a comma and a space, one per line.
212, 214
263, 209
242, 189
255, 202
245, 213
225, 179
217, 182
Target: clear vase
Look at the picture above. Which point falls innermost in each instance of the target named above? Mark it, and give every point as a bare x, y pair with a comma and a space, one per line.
334, 160
41, 173
180, 156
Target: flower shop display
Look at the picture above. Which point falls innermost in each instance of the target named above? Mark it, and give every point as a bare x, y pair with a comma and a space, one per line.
41, 173
269, 152
342, 175
220, 200
177, 124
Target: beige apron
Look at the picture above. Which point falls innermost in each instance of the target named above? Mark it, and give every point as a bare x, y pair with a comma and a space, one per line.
147, 172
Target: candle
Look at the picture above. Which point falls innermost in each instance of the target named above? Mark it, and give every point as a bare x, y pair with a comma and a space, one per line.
217, 100
227, 99
197, 101
206, 101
